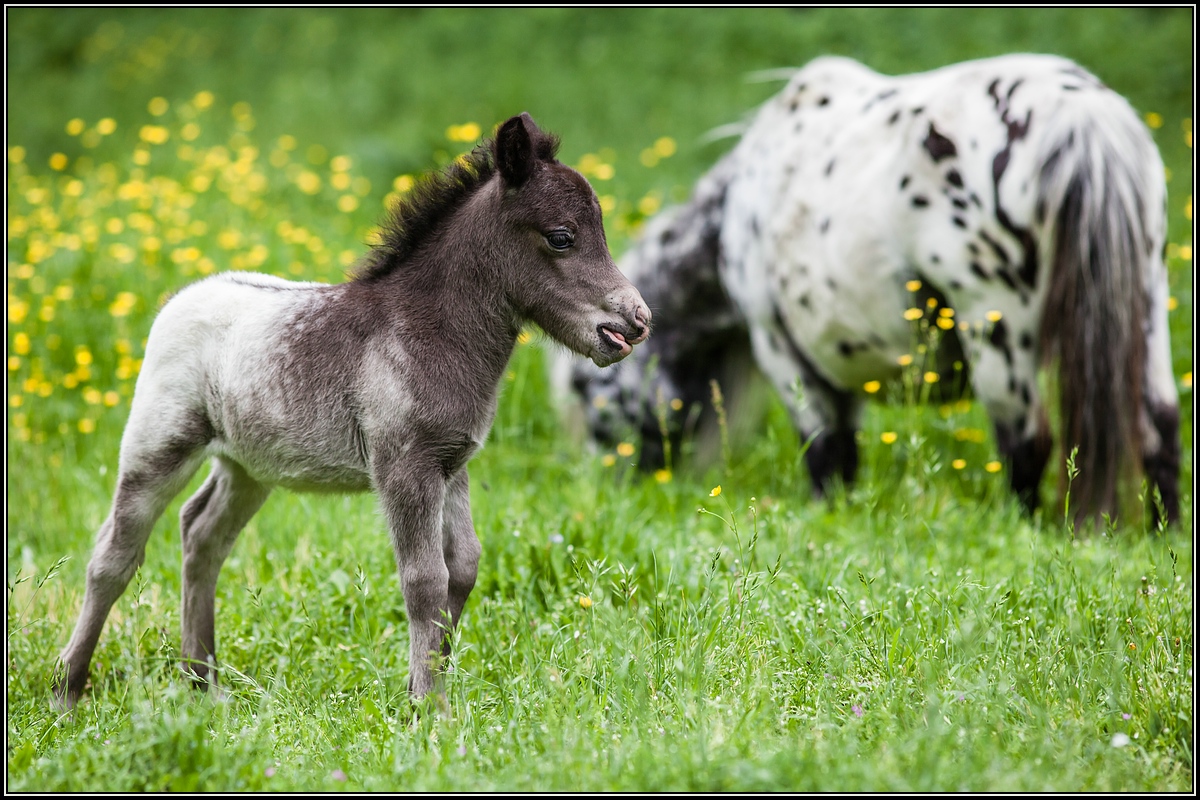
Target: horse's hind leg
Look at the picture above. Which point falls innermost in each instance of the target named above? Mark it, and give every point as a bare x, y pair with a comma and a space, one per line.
209, 525
146, 484
1160, 409
1004, 377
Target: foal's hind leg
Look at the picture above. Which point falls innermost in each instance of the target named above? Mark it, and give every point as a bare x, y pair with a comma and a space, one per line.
209, 524
145, 486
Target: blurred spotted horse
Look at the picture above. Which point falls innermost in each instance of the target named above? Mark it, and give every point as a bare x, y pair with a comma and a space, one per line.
1018, 191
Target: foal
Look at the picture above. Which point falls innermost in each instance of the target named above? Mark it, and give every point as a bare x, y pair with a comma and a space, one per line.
388, 383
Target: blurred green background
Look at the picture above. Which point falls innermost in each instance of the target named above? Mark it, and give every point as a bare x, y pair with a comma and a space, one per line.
381, 85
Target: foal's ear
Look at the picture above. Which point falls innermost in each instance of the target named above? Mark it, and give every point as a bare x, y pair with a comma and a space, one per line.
515, 149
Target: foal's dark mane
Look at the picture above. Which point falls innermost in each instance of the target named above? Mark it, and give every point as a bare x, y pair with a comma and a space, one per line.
412, 220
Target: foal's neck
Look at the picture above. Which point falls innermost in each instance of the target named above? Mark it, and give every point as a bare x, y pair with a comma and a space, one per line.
449, 305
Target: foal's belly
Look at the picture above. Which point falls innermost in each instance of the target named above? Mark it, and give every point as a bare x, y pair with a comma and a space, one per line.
292, 468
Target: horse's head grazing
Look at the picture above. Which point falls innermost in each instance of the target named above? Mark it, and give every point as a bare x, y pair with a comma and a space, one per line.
564, 278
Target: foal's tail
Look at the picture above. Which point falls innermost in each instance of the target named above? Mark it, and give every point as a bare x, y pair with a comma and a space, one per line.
1103, 192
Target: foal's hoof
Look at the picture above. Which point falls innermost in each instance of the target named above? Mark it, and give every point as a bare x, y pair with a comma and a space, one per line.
62, 702
66, 691
432, 704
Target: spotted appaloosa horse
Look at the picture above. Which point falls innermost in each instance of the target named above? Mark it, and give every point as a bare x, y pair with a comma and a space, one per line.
1019, 191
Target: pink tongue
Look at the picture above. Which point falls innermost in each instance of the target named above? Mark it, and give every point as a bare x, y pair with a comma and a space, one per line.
626, 348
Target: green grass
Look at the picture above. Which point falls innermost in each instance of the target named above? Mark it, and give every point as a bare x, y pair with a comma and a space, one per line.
915, 633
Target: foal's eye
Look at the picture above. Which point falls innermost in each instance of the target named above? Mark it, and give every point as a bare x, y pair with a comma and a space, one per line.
560, 239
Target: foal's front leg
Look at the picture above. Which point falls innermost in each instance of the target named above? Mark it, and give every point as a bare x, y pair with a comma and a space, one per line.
413, 495
461, 547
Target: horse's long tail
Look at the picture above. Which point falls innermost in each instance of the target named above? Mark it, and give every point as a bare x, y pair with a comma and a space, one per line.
1103, 192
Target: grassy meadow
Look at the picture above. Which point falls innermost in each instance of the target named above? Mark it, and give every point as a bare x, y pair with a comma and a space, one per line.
710, 627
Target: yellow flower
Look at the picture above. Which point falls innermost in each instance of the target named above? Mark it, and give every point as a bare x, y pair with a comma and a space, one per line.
347, 203
1185, 252
403, 183
340, 163
888, 437
92, 396
649, 204
663, 476
993, 316
16, 154
158, 106
309, 182
87, 425
1186, 380
716, 492
992, 466
75, 127
913, 314
154, 134
106, 126
585, 601
676, 404
871, 387
958, 463
931, 302
913, 286
468, 132
664, 147
625, 449
111, 398
58, 162
945, 323
1154, 119
21, 343
904, 360
1172, 303
121, 306
608, 460
83, 357
931, 377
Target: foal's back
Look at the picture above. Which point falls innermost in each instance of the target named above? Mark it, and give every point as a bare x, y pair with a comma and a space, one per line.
248, 363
